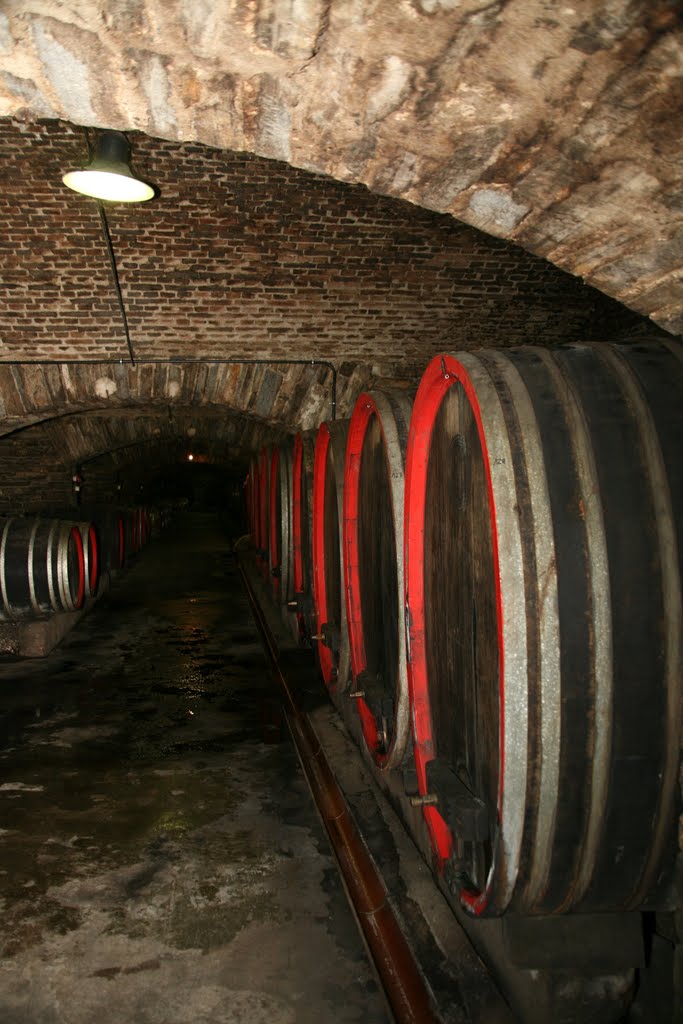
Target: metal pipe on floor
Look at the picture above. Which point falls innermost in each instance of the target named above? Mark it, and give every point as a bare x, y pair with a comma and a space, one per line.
403, 983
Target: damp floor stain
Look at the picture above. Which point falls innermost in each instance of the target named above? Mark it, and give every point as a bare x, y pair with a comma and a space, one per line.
160, 858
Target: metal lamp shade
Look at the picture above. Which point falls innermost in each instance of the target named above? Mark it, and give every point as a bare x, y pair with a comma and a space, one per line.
108, 175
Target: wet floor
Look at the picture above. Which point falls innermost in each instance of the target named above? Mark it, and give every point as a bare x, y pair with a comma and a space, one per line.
161, 861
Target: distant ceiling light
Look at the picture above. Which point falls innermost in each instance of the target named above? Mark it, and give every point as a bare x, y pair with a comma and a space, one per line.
108, 175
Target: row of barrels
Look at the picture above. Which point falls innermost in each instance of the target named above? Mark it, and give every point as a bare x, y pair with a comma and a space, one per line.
50, 565
491, 576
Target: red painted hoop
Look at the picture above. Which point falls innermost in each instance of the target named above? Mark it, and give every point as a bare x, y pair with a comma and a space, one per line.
441, 374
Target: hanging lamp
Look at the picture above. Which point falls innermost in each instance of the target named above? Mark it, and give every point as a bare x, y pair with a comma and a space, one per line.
108, 175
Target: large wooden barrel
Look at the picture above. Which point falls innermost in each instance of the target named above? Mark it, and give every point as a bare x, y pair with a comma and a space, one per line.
330, 608
280, 523
119, 546
302, 556
263, 510
373, 570
543, 587
254, 501
136, 528
248, 493
42, 568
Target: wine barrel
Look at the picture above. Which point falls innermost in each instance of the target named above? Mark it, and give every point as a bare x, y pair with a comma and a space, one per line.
132, 533
248, 499
264, 503
302, 556
42, 568
330, 607
543, 599
280, 523
373, 570
145, 525
91, 562
120, 541
103, 535
254, 502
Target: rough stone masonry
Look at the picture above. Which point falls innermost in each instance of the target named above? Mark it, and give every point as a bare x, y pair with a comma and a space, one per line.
558, 126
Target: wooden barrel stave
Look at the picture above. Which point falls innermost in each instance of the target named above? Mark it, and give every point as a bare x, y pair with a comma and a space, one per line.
657, 370
573, 515
15, 570
637, 612
540, 558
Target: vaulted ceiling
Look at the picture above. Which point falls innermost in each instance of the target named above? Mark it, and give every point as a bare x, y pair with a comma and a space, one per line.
346, 183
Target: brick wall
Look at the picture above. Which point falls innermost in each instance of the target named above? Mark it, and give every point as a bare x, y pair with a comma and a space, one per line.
245, 256
34, 474
239, 257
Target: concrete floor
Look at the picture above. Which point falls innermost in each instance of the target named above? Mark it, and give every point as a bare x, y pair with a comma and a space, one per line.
161, 861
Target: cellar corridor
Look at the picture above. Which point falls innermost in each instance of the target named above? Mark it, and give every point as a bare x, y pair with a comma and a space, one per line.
386, 309
162, 859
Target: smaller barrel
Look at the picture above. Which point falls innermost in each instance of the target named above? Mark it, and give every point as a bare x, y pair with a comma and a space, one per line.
107, 541
137, 528
330, 608
42, 567
373, 569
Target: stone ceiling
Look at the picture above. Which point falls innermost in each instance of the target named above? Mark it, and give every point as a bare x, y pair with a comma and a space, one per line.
557, 126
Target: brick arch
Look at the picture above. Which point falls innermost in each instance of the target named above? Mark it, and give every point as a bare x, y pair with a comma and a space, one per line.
561, 134
116, 446
270, 393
